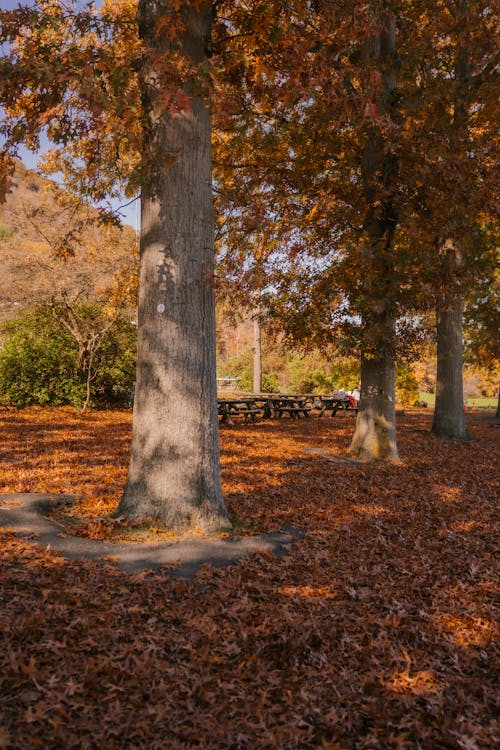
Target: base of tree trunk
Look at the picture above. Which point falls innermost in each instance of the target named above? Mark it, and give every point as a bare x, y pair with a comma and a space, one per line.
374, 438
175, 519
449, 418
451, 431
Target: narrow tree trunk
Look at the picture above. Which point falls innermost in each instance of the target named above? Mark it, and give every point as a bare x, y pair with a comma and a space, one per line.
374, 438
174, 473
497, 415
257, 356
449, 418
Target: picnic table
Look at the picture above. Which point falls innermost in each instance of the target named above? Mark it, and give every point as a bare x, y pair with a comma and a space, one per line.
275, 405
229, 408
335, 404
256, 407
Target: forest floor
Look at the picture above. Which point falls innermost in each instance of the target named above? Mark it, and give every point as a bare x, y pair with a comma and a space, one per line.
376, 631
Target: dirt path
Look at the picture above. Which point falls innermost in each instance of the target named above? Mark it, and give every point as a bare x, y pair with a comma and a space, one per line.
27, 515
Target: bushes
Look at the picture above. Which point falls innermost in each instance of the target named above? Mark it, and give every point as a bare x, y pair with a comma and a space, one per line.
41, 362
79, 355
37, 363
407, 392
294, 373
314, 373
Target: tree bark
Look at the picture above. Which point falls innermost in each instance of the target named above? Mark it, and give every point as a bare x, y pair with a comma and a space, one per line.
257, 356
174, 472
375, 433
449, 418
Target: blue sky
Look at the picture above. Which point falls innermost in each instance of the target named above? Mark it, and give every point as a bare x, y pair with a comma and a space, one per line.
10, 4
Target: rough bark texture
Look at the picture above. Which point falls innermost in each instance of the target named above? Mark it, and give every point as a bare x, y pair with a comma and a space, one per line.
257, 356
174, 473
375, 435
449, 418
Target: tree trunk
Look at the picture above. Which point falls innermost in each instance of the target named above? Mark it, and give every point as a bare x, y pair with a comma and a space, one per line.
257, 356
374, 438
174, 472
375, 433
449, 418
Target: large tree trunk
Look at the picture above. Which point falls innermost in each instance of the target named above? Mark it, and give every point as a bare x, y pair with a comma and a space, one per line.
449, 418
174, 473
375, 435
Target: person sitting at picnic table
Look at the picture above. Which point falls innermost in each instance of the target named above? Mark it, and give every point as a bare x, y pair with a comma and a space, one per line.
353, 403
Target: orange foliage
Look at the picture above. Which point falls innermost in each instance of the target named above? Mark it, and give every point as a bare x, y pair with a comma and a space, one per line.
376, 631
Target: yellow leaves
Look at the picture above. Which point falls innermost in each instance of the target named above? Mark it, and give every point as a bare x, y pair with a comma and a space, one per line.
119, 9
468, 631
312, 213
49, 161
6, 171
420, 683
49, 114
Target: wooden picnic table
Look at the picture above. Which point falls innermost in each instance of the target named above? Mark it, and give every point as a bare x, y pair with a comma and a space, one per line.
275, 405
229, 408
334, 404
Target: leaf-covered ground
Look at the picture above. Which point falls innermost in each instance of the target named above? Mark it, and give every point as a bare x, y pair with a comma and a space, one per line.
377, 631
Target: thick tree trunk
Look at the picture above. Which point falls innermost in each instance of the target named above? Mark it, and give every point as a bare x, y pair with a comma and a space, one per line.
257, 356
374, 438
449, 418
174, 473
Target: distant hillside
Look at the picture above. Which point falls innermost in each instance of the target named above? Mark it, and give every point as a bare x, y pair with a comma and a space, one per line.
52, 243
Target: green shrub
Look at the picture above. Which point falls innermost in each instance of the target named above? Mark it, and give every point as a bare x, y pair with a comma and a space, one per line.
239, 367
314, 373
37, 363
406, 385
270, 383
293, 372
5, 232
40, 363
